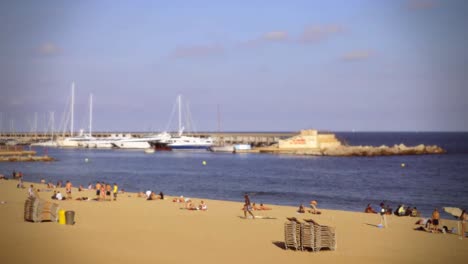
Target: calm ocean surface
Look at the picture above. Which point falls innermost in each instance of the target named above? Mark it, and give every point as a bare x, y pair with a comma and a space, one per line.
345, 183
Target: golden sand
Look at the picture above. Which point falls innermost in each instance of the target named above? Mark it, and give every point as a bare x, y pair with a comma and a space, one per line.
133, 230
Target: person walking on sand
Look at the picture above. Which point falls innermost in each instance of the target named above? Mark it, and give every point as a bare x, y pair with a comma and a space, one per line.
463, 218
383, 217
247, 207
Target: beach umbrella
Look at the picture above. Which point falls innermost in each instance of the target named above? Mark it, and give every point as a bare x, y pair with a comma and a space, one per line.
453, 211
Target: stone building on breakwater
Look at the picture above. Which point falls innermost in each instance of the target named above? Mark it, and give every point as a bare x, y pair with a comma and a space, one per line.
311, 142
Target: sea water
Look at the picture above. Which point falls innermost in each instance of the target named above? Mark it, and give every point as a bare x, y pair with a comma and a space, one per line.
344, 183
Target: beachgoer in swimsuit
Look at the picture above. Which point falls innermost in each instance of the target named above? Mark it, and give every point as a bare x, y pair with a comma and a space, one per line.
203, 206
263, 207
68, 189
463, 219
108, 192
247, 207
115, 191
435, 220
383, 213
369, 210
98, 190
301, 209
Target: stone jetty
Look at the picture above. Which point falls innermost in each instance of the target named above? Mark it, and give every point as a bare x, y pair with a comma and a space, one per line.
15, 153
310, 142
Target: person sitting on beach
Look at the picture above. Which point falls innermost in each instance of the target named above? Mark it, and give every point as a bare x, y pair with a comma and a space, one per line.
153, 196
426, 222
369, 210
43, 181
415, 212
161, 195
400, 211
59, 196
80, 188
190, 206
263, 207
203, 206
148, 193
435, 220
54, 196
314, 210
301, 209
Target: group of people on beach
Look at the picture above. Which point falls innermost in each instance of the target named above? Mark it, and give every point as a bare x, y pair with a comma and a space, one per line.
150, 195
105, 192
401, 210
313, 208
189, 204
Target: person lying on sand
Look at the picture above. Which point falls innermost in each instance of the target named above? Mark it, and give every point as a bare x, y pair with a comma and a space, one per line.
179, 199
369, 210
263, 207
426, 222
82, 199
255, 207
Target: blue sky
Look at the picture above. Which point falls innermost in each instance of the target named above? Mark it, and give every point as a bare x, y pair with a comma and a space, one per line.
270, 65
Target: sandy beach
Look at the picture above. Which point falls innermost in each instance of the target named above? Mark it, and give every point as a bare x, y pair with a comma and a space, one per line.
133, 230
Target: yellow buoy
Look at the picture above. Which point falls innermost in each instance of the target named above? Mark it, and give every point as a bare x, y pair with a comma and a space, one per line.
61, 217
403, 165
204, 163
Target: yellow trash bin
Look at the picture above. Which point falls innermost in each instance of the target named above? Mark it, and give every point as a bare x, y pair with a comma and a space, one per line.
61, 218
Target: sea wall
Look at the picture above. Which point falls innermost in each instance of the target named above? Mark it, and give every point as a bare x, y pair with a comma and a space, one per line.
382, 150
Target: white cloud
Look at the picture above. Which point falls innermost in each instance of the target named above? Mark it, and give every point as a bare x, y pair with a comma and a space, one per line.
198, 51
357, 55
48, 48
421, 4
317, 33
276, 36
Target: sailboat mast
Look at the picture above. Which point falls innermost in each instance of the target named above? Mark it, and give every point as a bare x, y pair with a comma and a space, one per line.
90, 113
71, 108
180, 113
219, 120
52, 123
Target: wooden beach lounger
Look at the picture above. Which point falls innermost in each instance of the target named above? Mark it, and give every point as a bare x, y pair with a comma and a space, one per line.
292, 234
37, 210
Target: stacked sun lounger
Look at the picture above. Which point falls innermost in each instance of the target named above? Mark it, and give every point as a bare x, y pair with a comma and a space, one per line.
324, 236
308, 236
292, 234
37, 210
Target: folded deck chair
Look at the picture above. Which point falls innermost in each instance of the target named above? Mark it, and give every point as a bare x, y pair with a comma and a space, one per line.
292, 235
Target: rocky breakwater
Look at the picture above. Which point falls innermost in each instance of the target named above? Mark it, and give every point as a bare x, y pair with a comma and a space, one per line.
21, 155
383, 150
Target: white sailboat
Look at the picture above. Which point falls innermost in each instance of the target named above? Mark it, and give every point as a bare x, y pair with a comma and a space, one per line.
186, 142
50, 143
78, 141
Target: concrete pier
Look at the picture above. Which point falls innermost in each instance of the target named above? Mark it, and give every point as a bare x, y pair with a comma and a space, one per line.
253, 138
